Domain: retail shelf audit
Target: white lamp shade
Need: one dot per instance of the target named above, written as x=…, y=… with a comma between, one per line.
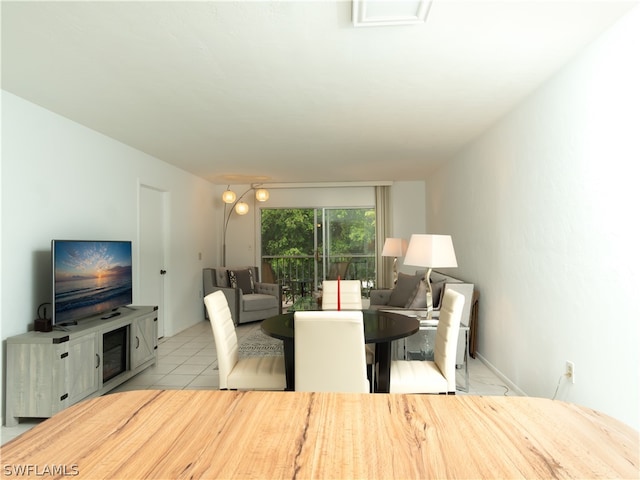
x=242, y=208
x=394, y=247
x=262, y=195
x=432, y=251
x=228, y=196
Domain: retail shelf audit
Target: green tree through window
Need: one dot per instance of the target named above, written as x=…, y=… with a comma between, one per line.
x=308, y=243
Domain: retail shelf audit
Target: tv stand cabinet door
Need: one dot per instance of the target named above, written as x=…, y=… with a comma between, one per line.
x=35, y=380
x=144, y=340
x=83, y=367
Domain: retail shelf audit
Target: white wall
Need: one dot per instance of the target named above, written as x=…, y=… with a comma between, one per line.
x=408, y=215
x=543, y=210
x=62, y=180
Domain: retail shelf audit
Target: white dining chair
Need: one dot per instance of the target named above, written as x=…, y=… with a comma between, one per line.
x=350, y=295
x=439, y=375
x=350, y=299
x=240, y=373
x=329, y=352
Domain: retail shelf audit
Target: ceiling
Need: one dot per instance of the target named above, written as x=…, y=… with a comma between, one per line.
x=290, y=91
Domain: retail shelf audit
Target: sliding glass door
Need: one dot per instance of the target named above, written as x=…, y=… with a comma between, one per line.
x=301, y=247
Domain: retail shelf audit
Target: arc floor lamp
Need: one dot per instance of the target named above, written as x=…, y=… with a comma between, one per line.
x=229, y=197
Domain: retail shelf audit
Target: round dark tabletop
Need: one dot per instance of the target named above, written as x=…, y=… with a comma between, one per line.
x=379, y=326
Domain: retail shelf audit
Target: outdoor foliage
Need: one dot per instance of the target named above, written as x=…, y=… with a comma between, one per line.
x=290, y=231
x=287, y=231
x=288, y=241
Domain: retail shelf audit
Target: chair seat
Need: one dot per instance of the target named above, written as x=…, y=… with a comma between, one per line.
x=252, y=302
x=416, y=377
x=258, y=373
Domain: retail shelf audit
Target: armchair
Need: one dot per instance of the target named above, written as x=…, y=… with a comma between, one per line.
x=248, y=299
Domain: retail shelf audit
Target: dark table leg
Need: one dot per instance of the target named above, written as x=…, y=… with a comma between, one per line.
x=383, y=359
x=289, y=363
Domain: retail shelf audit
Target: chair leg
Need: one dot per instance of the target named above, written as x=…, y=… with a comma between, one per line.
x=370, y=377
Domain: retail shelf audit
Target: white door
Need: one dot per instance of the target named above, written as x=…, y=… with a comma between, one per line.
x=152, y=251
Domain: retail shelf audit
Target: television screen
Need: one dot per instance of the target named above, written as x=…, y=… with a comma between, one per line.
x=90, y=278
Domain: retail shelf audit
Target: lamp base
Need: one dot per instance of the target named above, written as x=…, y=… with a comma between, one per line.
x=427, y=279
x=395, y=270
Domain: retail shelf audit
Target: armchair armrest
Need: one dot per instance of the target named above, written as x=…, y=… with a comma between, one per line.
x=273, y=289
x=380, y=296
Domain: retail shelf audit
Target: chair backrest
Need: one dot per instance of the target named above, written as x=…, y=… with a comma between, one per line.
x=350, y=295
x=465, y=289
x=444, y=352
x=330, y=352
x=224, y=334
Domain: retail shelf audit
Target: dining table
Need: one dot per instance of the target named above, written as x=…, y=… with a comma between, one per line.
x=214, y=434
x=381, y=327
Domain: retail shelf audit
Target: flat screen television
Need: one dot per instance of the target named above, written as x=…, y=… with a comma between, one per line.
x=90, y=278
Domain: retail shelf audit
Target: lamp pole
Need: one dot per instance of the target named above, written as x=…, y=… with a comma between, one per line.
x=262, y=195
x=226, y=217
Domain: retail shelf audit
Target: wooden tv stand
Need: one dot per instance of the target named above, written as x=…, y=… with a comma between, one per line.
x=50, y=371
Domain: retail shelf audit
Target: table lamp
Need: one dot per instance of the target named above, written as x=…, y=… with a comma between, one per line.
x=394, y=247
x=430, y=251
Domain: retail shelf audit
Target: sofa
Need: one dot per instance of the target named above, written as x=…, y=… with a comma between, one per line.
x=410, y=293
x=249, y=300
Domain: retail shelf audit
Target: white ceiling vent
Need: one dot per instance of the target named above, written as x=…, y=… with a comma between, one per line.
x=378, y=13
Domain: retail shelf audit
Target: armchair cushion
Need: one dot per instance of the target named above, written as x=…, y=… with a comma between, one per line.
x=242, y=279
x=253, y=302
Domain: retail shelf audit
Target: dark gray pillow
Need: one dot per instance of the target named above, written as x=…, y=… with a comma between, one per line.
x=419, y=296
x=404, y=290
x=242, y=279
x=436, y=289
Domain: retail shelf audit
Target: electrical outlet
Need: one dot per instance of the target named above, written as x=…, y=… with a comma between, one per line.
x=570, y=371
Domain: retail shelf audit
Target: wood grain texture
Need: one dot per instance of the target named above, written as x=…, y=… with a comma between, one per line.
x=223, y=434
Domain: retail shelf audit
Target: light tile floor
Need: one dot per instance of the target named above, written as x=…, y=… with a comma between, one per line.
x=187, y=361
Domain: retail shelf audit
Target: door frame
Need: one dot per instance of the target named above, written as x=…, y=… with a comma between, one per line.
x=163, y=304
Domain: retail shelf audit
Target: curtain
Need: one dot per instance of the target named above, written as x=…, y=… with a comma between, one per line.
x=384, y=265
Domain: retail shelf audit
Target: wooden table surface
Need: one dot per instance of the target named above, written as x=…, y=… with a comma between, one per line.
x=223, y=434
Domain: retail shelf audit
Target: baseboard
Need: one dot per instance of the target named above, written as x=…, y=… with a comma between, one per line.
x=512, y=386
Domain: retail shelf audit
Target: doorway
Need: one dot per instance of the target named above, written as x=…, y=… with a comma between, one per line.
x=152, y=251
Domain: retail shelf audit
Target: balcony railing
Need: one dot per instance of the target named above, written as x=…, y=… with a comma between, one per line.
x=302, y=275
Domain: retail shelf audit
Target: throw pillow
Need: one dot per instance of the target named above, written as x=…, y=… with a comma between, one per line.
x=404, y=289
x=419, y=296
x=242, y=279
x=436, y=289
